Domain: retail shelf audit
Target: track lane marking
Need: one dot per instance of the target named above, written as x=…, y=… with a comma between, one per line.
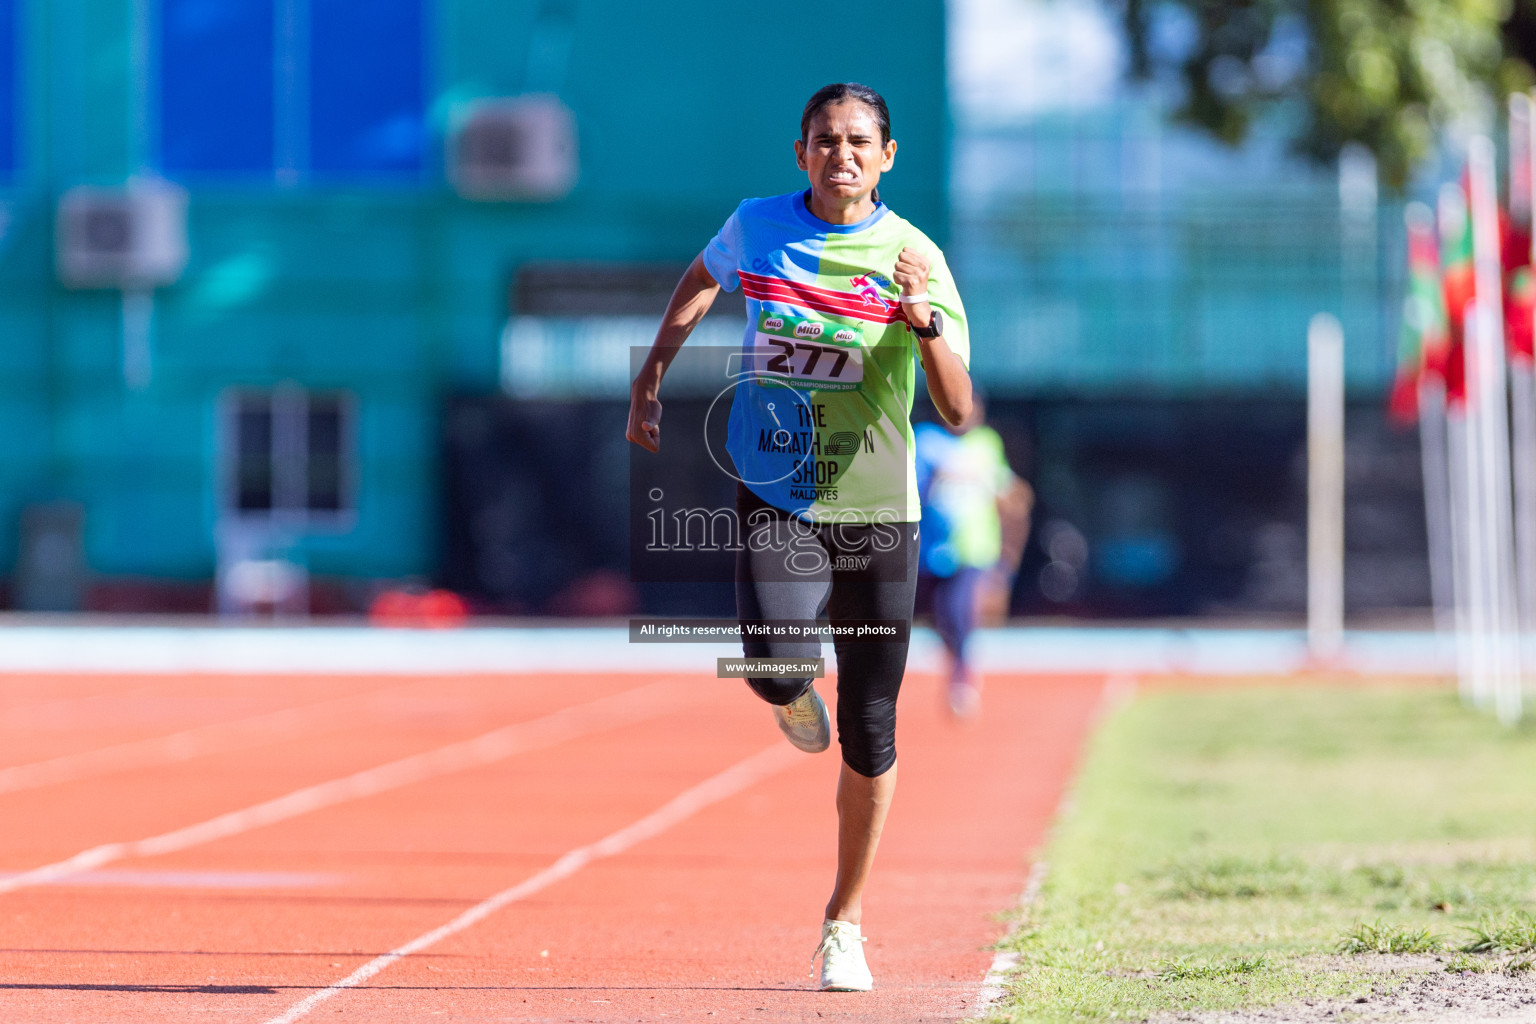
x=568, y=723
x=711, y=791
x=182, y=745
x=995, y=985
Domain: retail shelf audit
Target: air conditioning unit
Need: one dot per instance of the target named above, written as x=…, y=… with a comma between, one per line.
x=133, y=237
x=521, y=148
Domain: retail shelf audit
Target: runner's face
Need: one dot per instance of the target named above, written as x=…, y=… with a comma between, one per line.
x=843, y=154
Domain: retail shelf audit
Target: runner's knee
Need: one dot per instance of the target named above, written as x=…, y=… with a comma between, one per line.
x=867, y=736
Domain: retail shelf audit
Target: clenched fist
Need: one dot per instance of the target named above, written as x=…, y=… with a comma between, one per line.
x=911, y=274
x=644, y=427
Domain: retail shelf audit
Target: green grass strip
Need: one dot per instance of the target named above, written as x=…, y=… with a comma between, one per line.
x=1257, y=846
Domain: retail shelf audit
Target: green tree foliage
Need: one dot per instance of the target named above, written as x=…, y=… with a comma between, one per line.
x=1388, y=73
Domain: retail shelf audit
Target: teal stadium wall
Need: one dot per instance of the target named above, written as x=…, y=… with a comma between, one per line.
x=393, y=289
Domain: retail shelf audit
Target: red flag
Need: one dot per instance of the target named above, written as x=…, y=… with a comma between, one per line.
x=1424, y=338
x=1459, y=288
x=1519, y=288
x=1520, y=313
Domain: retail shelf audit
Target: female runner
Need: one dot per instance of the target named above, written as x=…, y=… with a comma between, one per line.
x=842, y=294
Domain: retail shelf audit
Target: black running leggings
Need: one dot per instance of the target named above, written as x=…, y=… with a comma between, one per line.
x=856, y=581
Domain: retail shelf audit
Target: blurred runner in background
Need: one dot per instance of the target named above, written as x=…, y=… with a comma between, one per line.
x=975, y=522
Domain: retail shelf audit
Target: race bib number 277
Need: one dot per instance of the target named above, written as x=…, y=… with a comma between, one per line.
x=808, y=353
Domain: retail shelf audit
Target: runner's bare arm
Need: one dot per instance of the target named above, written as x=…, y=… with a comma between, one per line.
x=691, y=299
x=949, y=385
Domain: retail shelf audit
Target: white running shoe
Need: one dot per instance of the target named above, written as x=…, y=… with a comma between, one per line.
x=842, y=958
x=964, y=698
x=804, y=721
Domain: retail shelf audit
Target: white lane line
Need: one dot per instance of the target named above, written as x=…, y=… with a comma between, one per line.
x=339, y=650
x=567, y=723
x=1118, y=691
x=681, y=807
x=125, y=647
x=995, y=985
x=186, y=744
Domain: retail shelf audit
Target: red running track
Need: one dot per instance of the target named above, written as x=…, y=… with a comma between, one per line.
x=711, y=919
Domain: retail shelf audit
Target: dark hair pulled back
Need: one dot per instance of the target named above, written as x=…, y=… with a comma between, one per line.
x=839, y=92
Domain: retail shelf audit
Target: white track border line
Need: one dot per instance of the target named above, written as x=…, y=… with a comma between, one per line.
x=995, y=985
x=568, y=723
x=1117, y=692
x=186, y=744
x=685, y=805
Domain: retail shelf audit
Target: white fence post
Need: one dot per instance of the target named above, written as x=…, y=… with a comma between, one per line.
x=1325, y=487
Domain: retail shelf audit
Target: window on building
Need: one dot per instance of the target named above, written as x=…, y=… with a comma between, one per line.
x=292, y=89
x=216, y=87
x=365, y=87
x=289, y=454
x=10, y=70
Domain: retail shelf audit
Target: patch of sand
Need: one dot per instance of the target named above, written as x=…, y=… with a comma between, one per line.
x=1411, y=990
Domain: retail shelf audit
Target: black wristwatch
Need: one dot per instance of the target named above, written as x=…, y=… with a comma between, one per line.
x=933, y=330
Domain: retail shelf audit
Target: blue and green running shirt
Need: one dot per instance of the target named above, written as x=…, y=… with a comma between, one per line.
x=821, y=419
x=960, y=480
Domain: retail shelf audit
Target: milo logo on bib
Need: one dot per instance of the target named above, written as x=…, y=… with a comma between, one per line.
x=803, y=352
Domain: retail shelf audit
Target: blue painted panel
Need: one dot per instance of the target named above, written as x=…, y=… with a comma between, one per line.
x=365, y=82
x=10, y=73
x=216, y=87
